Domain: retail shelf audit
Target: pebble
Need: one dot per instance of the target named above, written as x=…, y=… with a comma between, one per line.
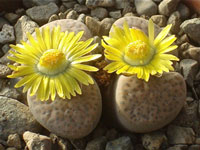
x=80, y=8
x=160, y=20
x=167, y=7
x=4, y=71
x=63, y=144
x=7, y=34
x=70, y=4
x=184, y=11
x=106, y=25
x=81, y=1
x=175, y=20
x=99, y=3
x=31, y=3
x=11, y=17
x=36, y=142
x=63, y=8
x=81, y=18
x=178, y=147
x=180, y=135
x=122, y=143
x=5, y=48
x=24, y=25
x=146, y=7
x=192, y=28
x=14, y=141
x=93, y=25
x=62, y=15
x=97, y=144
x=41, y=14
x=10, y=92
x=72, y=15
x=53, y=18
x=15, y=118
x=99, y=12
x=189, y=69
x=153, y=140
x=115, y=14
x=2, y=22
x=121, y=4
x=20, y=11
x=192, y=53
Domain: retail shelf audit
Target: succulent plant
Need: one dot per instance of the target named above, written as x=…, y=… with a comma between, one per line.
x=138, y=98
x=52, y=67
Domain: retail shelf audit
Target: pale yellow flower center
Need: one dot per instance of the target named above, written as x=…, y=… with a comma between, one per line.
x=138, y=53
x=52, y=62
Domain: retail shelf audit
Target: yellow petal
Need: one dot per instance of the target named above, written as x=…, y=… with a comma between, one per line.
x=151, y=31
x=85, y=67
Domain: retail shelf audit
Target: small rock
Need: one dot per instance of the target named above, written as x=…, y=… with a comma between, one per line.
x=175, y=20
x=69, y=5
x=63, y=8
x=53, y=18
x=97, y=144
x=36, y=142
x=41, y=14
x=14, y=141
x=192, y=53
x=11, y=17
x=122, y=143
x=4, y=71
x=178, y=147
x=5, y=48
x=10, y=92
x=129, y=14
x=146, y=7
x=115, y=14
x=99, y=3
x=63, y=144
x=154, y=140
x=160, y=20
x=81, y=1
x=72, y=15
x=166, y=7
x=99, y=49
x=128, y=9
x=62, y=15
x=81, y=18
x=184, y=11
x=194, y=147
x=99, y=12
x=2, y=22
x=190, y=69
x=121, y=4
x=80, y=8
x=106, y=25
x=180, y=135
x=93, y=25
x=24, y=25
x=197, y=141
x=192, y=28
x=20, y=11
x=31, y=3
x=4, y=59
x=15, y=117
x=7, y=34
x=2, y=147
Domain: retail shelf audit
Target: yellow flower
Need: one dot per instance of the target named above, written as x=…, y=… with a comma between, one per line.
x=132, y=52
x=51, y=63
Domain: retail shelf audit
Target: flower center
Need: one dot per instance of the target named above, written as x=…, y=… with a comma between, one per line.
x=52, y=62
x=138, y=53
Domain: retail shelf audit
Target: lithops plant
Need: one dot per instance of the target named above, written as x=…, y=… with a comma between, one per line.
x=61, y=95
x=143, y=103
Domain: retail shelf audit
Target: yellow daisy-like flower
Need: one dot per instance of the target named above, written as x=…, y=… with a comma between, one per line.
x=132, y=52
x=51, y=63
